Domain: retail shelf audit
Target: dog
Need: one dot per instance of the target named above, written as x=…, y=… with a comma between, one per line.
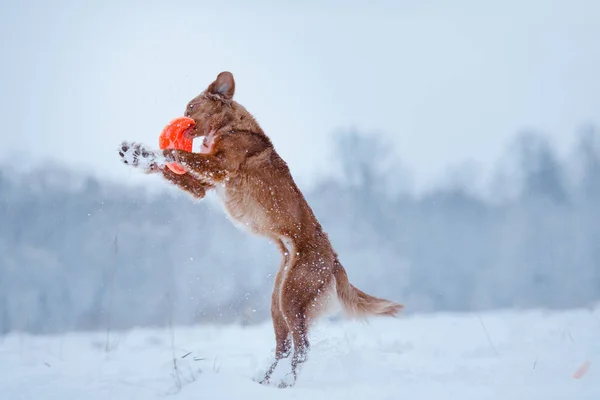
x=238, y=161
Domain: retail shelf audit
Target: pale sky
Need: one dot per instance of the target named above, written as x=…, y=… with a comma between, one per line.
x=445, y=84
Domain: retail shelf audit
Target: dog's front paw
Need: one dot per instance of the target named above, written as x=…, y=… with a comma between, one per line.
x=136, y=155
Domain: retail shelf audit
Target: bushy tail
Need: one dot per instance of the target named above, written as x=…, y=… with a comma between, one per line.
x=357, y=303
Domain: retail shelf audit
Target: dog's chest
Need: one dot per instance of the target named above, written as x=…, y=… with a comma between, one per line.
x=241, y=208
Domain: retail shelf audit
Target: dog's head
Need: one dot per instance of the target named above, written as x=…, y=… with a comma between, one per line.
x=214, y=108
x=216, y=113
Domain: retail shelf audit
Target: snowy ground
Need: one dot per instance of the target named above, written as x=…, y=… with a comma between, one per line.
x=527, y=355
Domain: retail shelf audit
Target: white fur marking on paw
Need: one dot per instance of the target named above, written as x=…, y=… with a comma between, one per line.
x=127, y=156
x=137, y=156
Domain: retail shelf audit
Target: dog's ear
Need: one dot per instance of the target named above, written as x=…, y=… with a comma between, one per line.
x=223, y=86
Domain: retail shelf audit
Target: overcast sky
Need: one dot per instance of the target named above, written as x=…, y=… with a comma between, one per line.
x=444, y=84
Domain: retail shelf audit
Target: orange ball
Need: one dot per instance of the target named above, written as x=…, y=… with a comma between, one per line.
x=174, y=136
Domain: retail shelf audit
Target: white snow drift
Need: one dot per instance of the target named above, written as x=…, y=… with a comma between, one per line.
x=500, y=355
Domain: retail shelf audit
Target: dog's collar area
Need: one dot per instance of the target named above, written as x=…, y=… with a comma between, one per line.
x=197, y=143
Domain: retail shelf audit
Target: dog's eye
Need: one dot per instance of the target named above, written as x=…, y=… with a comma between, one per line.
x=189, y=110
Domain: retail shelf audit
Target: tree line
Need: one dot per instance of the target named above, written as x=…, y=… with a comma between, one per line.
x=79, y=253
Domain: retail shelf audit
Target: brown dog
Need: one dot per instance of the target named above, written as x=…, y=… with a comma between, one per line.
x=239, y=162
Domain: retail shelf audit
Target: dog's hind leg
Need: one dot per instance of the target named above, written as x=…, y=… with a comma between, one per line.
x=284, y=344
x=302, y=293
x=282, y=331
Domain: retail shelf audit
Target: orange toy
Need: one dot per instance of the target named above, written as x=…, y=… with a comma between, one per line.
x=174, y=136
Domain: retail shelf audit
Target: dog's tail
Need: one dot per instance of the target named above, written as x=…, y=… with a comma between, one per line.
x=357, y=303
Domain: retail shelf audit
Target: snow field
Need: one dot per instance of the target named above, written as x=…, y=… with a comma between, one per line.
x=494, y=355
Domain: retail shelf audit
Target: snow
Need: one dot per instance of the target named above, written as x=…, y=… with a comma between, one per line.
x=494, y=355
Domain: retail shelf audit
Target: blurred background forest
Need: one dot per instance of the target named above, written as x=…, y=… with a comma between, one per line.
x=79, y=253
